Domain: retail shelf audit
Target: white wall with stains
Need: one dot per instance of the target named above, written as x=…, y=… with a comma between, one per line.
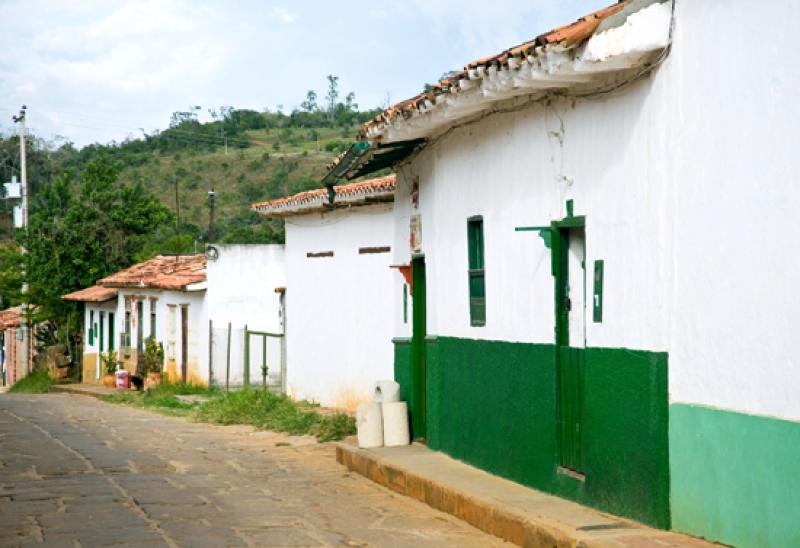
x=688, y=180
x=337, y=308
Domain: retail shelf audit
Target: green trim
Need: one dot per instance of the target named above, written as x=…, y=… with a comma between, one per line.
x=735, y=477
x=401, y=341
x=418, y=369
x=570, y=206
x=578, y=221
x=476, y=274
x=504, y=419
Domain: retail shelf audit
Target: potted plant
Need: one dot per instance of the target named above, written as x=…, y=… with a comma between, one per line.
x=109, y=360
x=153, y=361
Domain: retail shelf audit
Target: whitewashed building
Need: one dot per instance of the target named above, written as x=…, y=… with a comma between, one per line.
x=602, y=225
x=339, y=290
x=164, y=297
x=100, y=328
x=186, y=303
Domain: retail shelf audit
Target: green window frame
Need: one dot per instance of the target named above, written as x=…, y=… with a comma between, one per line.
x=111, y=331
x=91, y=328
x=153, y=318
x=476, y=272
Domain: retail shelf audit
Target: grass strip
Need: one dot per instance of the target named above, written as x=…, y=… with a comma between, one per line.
x=264, y=410
x=37, y=382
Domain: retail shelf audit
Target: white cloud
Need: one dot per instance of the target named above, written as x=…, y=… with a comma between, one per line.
x=284, y=15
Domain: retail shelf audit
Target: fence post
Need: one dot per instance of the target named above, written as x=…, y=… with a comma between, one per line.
x=264, y=361
x=246, y=357
x=210, y=352
x=228, y=364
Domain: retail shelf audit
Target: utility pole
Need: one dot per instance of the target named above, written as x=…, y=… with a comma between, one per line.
x=177, y=221
x=212, y=198
x=23, y=322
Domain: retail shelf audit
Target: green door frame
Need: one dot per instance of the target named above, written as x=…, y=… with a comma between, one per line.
x=418, y=354
x=569, y=360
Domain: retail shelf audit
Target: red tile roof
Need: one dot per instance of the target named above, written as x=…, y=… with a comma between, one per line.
x=161, y=272
x=94, y=294
x=10, y=317
x=361, y=193
x=566, y=36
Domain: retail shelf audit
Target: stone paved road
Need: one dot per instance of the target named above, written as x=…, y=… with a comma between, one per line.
x=75, y=471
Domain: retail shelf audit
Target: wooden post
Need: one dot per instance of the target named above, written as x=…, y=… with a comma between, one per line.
x=246, y=357
x=228, y=364
x=264, y=369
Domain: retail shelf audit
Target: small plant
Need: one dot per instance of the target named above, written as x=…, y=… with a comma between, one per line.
x=153, y=355
x=110, y=362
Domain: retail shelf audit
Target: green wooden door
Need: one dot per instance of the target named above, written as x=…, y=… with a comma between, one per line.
x=568, y=269
x=418, y=364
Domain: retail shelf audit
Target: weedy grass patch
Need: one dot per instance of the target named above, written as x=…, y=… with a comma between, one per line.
x=269, y=411
x=37, y=382
x=264, y=410
x=162, y=398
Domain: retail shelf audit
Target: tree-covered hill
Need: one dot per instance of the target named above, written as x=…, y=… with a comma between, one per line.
x=84, y=219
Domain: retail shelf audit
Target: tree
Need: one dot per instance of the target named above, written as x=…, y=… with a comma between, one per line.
x=333, y=95
x=83, y=230
x=310, y=104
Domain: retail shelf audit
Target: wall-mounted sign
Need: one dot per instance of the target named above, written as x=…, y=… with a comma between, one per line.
x=13, y=189
x=415, y=237
x=17, y=216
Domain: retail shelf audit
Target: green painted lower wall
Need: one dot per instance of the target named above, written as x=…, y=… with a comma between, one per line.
x=493, y=404
x=735, y=477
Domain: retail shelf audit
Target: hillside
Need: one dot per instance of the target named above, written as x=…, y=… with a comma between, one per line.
x=276, y=163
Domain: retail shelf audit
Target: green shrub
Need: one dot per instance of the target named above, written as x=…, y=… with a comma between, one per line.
x=37, y=382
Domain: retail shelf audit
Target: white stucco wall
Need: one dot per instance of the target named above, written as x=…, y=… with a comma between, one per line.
x=687, y=181
x=241, y=291
x=338, y=336
x=197, y=352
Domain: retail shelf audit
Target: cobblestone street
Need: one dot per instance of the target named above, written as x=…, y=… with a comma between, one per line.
x=75, y=471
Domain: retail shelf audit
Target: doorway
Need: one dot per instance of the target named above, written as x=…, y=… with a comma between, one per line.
x=569, y=267
x=184, y=341
x=418, y=354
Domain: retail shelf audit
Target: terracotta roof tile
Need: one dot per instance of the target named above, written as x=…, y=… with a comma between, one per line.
x=567, y=36
x=94, y=294
x=10, y=317
x=317, y=199
x=161, y=272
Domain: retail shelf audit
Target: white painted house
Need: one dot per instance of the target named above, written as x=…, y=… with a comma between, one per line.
x=604, y=281
x=339, y=290
x=186, y=303
x=164, y=297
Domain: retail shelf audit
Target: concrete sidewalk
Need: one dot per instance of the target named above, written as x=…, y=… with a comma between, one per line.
x=92, y=390
x=503, y=508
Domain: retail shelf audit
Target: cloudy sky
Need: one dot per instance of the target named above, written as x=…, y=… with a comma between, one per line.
x=99, y=70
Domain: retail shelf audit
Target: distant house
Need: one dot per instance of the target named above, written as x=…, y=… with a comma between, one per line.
x=163, y=297
x=99, y=319
x=10, y=345
x=339, y=289
x=186, y=303
x=601, y=225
